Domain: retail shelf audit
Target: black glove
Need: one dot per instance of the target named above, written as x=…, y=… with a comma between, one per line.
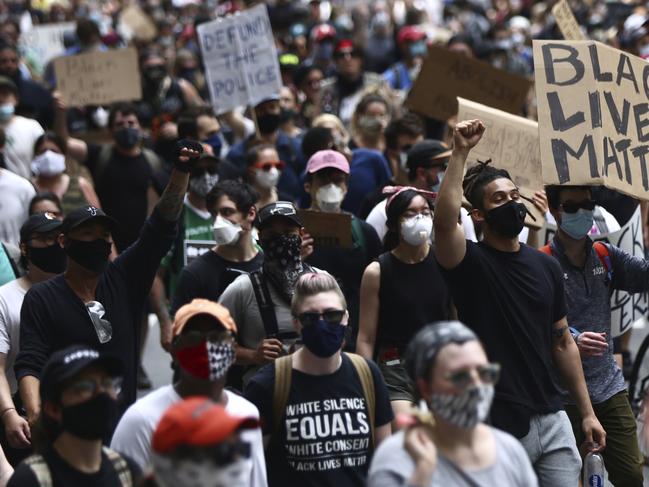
x=186, y=167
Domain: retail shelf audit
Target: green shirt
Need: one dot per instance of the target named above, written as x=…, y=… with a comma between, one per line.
x=197, y=238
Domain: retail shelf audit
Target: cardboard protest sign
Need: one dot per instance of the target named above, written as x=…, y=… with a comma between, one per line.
x=593, y=115
x=134, y=23
x=240, y=59
x=98, y=78
x=328, y=229
x=512, y=143
x=445, y=75
x=566, y=21
x=626, y=309
x=46, y=41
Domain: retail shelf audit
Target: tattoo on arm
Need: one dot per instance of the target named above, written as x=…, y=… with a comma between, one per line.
x=558, y=332
x=171, y=201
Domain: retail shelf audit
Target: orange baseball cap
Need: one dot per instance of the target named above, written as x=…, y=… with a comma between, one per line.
x=203, y=307
x=197, y=421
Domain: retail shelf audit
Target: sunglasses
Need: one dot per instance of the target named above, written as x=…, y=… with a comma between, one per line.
x=267, y=166
x=574, y=206
x=199, y=171
x=103, y=328
x=331, y=316
x=488, y=374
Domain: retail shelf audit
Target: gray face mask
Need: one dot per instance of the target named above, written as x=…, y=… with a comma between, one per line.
x=464, y=410
x=201, y=185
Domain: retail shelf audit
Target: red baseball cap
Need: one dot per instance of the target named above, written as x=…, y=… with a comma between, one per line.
x=410, y=33
x=197, y=421
x=322, y=32
x=327, y=158
x=345, y=45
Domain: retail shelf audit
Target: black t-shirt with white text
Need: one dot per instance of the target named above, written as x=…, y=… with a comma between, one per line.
x=64, y=475
x=511, y=300
x=325, y=435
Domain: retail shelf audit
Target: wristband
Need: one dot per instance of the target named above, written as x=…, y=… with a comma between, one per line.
x=4, y=411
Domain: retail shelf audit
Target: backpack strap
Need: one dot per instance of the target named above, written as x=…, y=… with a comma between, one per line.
x=601, y=249
x=282, y=389
x=367, y=382
x=121, y=467
x=264, y=303
x=40, y=469
x=358, y=237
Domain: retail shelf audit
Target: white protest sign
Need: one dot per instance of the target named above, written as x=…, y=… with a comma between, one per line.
x=46, y=41
x=593, y=115
x=626, y=308
x=240, y=59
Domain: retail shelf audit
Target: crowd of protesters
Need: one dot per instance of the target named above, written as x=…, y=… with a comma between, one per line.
x=444, y=344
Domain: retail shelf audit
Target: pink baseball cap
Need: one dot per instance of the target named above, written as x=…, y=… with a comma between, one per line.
x=327, y=158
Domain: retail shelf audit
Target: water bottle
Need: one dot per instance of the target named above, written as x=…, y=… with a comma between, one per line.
x=594, y=470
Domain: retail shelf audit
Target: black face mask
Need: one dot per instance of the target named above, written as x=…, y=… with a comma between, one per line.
x=50, y=259
x=127, y=137
x=508, y=219
x=92, y=255
x=91, y=420
x=268, y=123
x=155, y=74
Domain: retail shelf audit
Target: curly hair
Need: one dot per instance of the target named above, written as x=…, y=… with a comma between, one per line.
x=475, y=180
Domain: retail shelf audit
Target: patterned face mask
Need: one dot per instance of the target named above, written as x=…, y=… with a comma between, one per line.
x=207, y=360
x=464, y=410
x=282, y=262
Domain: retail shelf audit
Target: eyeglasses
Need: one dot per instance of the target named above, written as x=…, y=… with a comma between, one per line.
x=267, y=166
x=103, y=328
x=574, y=206
x=89, y=387
x=331, y=316
x=411, y=213
x=488, y=374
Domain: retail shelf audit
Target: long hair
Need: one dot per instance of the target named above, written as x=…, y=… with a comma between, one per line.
x=394, y=211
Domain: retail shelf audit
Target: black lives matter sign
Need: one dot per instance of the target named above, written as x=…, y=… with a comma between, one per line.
x=593, y=110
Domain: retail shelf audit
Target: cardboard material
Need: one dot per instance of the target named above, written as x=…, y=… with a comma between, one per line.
x=567, y=22
x=626, y=309
x=593, y=116
x=240, y=59
x=98, y=78
x=512, y=143
x=445, y=75
x=328, y=229
x=134, y=23
x=46, y=41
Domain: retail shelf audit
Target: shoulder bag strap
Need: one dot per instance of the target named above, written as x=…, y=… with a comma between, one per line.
x=367, y=382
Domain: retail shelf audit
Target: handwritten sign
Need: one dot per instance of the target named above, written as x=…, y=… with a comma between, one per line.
x=593, y=115
x=46, y=41
x=445, y=75
x=566, y=21
x=98, y=78
x=626, y=308
x=328, y=229
x=240, y=59
x=134, y=23
x=512, y=143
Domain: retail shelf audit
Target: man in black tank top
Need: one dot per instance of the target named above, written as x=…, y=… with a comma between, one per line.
x=512, y=296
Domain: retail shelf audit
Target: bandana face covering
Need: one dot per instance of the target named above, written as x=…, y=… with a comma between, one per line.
x=464, y=410
x=282, y=262
x=207, y=361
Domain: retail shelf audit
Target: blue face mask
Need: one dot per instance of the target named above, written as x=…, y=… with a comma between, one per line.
x=323, y=339
x=577, y=225
x=417, y=49
x=215, y=142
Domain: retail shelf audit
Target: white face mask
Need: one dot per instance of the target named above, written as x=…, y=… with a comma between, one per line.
x=48, y=164
x=329, y=198
x=417, y=230
x=225, y=232
x=203, y=473
x=267, y=179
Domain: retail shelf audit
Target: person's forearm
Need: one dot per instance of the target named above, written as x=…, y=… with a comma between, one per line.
x=6, y=401
x=60, y=125
x=245, y=356
x=449, y=198
x=364, y=348
x=171, y=201
x=28, y=387
x=158, y=300
x=568, y=363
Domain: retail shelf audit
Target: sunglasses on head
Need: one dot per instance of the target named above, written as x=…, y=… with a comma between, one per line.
x=331, y=316
x=267, y=166
x=488, y=374
x=574, y=206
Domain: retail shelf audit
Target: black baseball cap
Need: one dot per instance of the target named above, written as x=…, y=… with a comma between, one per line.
x=39, y=223
x=428, y=153
x=284, y=209
x=85, y=214
x=68, y=362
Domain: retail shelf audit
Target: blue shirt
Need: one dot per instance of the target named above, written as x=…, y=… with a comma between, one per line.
x=369, y=170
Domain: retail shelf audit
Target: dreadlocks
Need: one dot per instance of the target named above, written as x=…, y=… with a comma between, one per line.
x=476, y=178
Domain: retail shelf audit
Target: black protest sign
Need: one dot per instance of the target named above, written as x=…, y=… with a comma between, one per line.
x=593, y=115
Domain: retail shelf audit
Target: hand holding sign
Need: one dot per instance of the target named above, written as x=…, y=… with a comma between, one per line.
x=467, y=134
